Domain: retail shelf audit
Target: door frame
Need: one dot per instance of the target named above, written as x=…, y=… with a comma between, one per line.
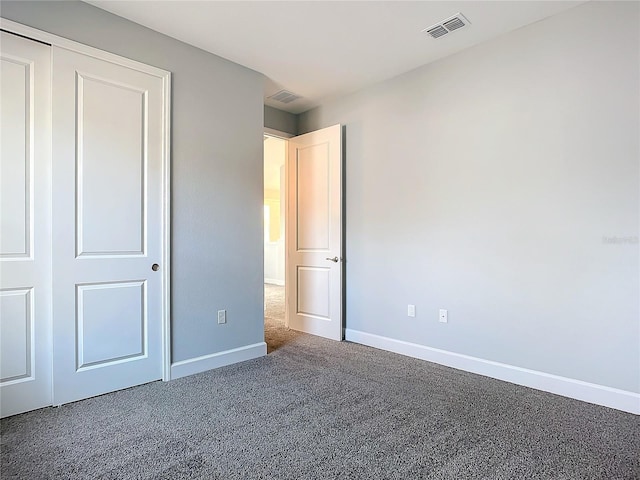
x=10, y=26
x=270, y=132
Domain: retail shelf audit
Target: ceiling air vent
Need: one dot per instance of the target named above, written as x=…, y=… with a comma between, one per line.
x=284, y=96
x=437, y=31
x=449, y=25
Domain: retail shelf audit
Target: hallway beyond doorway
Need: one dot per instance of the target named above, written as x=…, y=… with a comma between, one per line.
x=276, y=333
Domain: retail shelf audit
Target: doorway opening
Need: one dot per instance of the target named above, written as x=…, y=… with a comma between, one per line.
x=303, y=260
x=275, y=323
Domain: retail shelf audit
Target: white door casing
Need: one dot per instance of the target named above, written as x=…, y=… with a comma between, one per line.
x=25, y=225
x=107, y=229
x=314, y=233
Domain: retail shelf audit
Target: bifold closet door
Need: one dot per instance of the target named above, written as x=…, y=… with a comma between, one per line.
x=25, y=225
x=107, y=228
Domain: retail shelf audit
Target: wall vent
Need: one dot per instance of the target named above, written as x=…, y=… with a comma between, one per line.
x=284, y=96
x=446, y=26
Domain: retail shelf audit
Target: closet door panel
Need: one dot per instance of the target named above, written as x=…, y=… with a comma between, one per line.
x=25, y=225
x=107, y=193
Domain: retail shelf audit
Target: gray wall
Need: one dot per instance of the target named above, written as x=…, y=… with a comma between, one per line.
x=216, y=173
x=492, y=183
x=280, y=120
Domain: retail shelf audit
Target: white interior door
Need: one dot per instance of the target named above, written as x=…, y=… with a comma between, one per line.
x=25, y=225
x=107, y=229
x=314, y=239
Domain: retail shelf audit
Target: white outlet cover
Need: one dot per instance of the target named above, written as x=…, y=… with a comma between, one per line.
x=411, y=310
x=222, y=316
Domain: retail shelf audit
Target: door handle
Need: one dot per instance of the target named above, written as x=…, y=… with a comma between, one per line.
x=155, y=267
x=334, y=259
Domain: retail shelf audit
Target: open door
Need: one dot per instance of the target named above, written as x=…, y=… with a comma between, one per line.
x=314, y=233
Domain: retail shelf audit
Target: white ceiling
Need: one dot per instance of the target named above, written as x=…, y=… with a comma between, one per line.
x=322, y=49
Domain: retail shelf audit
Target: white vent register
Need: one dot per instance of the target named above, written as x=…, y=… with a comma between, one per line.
x=447, y=26
x=284, y=96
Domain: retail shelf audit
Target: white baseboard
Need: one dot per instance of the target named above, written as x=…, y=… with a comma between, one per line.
x=274, y=281
x=568, y=387
x=216, y=360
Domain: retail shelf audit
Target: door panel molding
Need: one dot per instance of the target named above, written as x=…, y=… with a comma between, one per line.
x=94, y=203
x=89, y=337
x=17, y=184
x=18, y=354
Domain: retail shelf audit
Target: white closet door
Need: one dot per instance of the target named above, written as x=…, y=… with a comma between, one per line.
x=25, y=225
x=107, y=193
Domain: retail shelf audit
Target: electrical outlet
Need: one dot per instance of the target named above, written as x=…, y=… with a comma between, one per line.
x=222, y=316
x=411, y=310
x=443, y=316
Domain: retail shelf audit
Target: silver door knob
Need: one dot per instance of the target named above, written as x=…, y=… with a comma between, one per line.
x=155, y=267
x=334, y=259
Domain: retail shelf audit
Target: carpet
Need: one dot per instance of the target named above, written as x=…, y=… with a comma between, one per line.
x=317, y=409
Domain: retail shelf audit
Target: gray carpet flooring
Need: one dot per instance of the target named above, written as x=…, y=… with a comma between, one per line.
x=317, y=409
